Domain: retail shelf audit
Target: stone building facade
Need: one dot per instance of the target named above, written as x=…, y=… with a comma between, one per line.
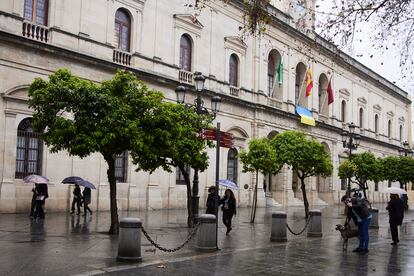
x=163, y=43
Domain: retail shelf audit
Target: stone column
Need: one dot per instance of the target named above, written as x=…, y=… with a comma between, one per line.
x=129, y=241
x=315, y=224
x=206, y=233
x=374, y=221
x=278, y=232
x=7, y=185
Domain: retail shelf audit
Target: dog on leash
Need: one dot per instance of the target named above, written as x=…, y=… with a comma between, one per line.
x=346, y=233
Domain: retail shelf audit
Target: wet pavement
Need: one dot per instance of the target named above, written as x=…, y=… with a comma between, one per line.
x=63, y=244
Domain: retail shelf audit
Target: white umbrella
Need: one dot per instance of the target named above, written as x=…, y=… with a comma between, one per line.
x=395, y=190
x=229, y=184
x=34, y=178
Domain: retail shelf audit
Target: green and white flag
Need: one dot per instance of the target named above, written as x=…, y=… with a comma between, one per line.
x=280, y=71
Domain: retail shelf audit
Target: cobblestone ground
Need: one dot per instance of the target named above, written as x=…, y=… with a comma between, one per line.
x=69, y=245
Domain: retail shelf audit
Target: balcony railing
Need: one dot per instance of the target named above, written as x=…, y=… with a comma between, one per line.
x=121, y=57
x=36, y=32
x=185, y=77
x=234, y=91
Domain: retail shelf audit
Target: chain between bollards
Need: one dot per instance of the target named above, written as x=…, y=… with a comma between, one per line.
x=303, y=230
x=170, y=250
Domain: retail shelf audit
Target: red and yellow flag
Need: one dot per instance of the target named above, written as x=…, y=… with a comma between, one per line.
x=309, y=82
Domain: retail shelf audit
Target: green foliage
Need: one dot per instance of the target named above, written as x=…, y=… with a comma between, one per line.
x=347, y=169
x=260, y=157
x=307, y=157
x=368, y=167
x=82, y=117
x=171, y=139
x=399, y=169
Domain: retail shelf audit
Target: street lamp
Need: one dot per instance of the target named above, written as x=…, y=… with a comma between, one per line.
x=199, y=108
x=350, y=140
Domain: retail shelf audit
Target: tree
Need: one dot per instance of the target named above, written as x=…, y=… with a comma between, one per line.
x=391, y=20
x=82, y=117
x=399, y=169
x=363, y=167
x=307, y=157
x=171, y=139
x=262, y=158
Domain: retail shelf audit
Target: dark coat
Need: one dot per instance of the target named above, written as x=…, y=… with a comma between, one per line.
x=77, y=192
x=87, y=196
x=211, y=203
x=361, y=209
x=231, y=205
x=42, y=190
x=396, y=211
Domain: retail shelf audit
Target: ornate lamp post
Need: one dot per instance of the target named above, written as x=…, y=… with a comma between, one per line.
x=350, y=140
x=199, y=108
x=405, y=151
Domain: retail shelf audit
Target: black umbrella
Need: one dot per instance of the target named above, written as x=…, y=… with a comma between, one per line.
x=72, y=180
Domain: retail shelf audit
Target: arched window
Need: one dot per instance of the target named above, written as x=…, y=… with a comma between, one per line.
x=36, y=11
x=234, y=70
x=343, y=111
x=389, y=128
x=232, y=164
x=361, y=118
x=185, y=53
x=270, y=75
x=376, y=123
x=122, y=30
x=29, y=150
x=401, y=132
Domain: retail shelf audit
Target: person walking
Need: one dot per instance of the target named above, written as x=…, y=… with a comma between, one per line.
x=211, y=201
x=395, y=209
x=77, y=199
x=86, y=200
x=33, y=203
x=358, y=210
x=229, y=208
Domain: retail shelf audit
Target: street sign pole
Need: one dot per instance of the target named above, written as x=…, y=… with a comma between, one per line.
x=217, y=178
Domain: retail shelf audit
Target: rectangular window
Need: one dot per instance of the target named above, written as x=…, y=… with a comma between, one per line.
x=179, y=177
x=376, y=186
x=270, y=85
x=389, y=183
x=121, y=167
x=36, y=11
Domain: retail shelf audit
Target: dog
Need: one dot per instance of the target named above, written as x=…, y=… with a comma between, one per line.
x=346, y=233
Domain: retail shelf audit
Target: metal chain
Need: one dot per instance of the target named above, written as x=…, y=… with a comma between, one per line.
x=190, y=236
x=303, y=230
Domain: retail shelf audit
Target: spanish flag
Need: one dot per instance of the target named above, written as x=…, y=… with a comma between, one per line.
x=309, y=82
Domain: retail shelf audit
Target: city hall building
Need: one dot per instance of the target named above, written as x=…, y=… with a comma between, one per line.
x=260, y=80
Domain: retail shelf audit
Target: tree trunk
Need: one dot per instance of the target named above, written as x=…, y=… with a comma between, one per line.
x=110, y=160
x=364, y=185
x=254, y=205
x=305, y=198
x=190, y=215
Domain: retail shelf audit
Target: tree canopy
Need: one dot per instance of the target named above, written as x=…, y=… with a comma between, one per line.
x=362, y=167
x=307, y=157
x=260, y=157
x=83, y=117
x=399, y=169
x=171, y=138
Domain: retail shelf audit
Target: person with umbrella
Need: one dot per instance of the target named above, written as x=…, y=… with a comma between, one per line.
x=87, y=200
x=395, y=209
x=77, y=199
x=229, y=208
x=40, y=193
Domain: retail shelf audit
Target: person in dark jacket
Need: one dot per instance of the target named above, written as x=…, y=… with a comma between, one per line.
x=86, y=200
x=229, y=208
x=77, y=199
x=33, y=203
x=396, y=213
x=358, y=210
x=211, y=203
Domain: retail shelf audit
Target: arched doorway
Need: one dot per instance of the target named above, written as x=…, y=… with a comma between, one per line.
x=274, y=81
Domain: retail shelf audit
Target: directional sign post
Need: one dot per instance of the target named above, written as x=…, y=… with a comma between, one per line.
x=226, y=138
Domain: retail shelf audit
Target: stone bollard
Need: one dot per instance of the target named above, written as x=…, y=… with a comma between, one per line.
x=374, y=221
x=315, y=224
x=206, y=234
x=129, y=240
x=278, y=232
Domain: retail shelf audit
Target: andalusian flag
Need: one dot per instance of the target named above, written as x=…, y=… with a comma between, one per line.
x=309, y=82
x=280, y=71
